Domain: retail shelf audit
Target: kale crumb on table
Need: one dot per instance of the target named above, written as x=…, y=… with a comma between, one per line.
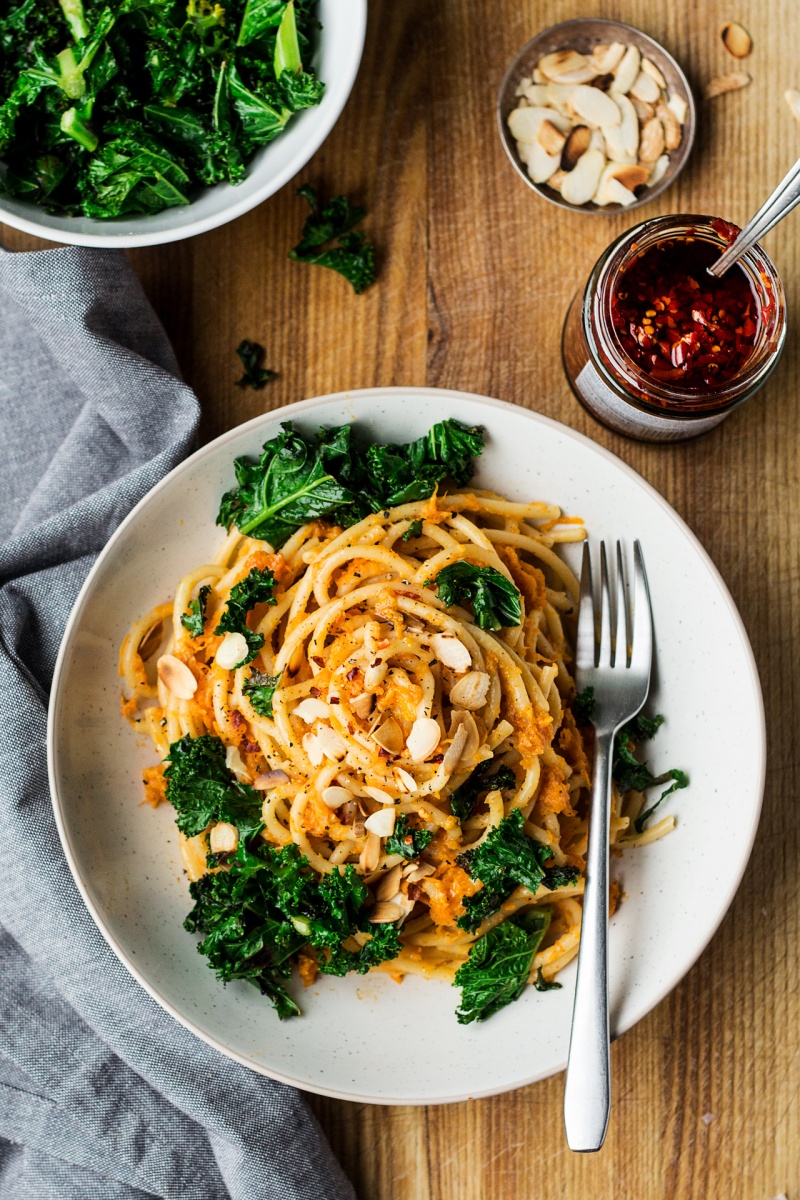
x=111, y=109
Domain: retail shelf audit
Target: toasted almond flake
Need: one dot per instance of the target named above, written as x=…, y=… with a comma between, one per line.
x=451, y=652
x=627, y=70
x=455, y=750
x=651, y=142
x=460, y=718
x=176, y=677
x=726, y=83
x=614, y=146
x=270, y=779
x=659, y=171
x=421, y=871
x=389, y=884
x=310, y=744
x=371, y=854
x=643, y=110
x=618, y=194
x=389, y=735
x=362, y=705
x=151, y=641
x=524, y=83
x=679, y=107
x=630, y=176
x=556, y=180
x=231, y=651
x=650, y=68
x=423, y=738
x=594, y=106
x=551, y=139
x=384, y=913
x=576, y=145
x=559, y=97
x=406, y=779
x=470, y=690
x=376, y=793
x=541, y=165
x=537, y=76
x=381, y=822
x=672, y=127
x=311, y=709
x=536, y=94
x=524, y=123
x=581, y=183
x=223, y=839
x=629, y=125
x=335, y=796
x=234, y=762
x=567, y=66
x=606, y=58
x=736, y=39
x=644, y=87
x=331, y=743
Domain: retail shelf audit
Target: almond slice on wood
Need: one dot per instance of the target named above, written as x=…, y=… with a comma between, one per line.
x=581, y=183
x=651, y=142
x=576, y=145
x=792, y=98
x=735, y=39
x=550, y=139
x=672, y=127
x=595, y=106
x=627, y=70
x=605, y=58
x=176, y=677
x=567, y=66
x=726, y=83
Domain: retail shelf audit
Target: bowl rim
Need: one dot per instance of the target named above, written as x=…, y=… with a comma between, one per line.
x=303, y=408
x=684, y=150
x=125, y=241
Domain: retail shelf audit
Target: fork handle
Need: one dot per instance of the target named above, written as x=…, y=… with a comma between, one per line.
x=587, y=1095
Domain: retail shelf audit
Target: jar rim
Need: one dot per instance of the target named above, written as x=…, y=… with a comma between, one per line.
x=622, y=373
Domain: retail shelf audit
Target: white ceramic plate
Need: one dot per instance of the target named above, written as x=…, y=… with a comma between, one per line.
x=125, y=857
x=336, y=61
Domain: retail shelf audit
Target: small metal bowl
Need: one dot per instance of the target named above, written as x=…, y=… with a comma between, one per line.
x=583, y=35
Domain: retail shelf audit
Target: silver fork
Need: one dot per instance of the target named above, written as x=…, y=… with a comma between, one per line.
x=617, y=668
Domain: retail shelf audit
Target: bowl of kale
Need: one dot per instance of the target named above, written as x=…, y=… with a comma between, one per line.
x=138, y=122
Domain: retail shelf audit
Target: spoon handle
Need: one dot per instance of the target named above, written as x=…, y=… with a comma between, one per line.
x=785, y=197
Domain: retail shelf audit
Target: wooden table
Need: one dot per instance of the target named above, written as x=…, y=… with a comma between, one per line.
x=475, y=277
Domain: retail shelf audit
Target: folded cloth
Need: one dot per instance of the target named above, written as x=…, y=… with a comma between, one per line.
x=102, y=1094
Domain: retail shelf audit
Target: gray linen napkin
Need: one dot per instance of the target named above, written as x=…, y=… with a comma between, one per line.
x=102, y=1094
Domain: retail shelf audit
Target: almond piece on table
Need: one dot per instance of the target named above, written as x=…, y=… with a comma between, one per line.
x=651, y=142
x=659, y=170
x=581, y=182
x=726, y=83
x=567, y=66
x=679, y=107
x=672, y=127
x=595, y=106
x=605, y=58
x=176, y=677
x=736, y=39
x=650, y=68
x=627, y=71
x=576, y=145
x=644, y=87
x=551, y=139
x=792, y=98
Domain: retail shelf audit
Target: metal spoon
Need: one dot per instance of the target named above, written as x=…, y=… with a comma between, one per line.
x=785, y=197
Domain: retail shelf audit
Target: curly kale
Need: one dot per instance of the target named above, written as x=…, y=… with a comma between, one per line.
x=499, y=964
x=257, y=588
x=495, y=600
x=326, y=240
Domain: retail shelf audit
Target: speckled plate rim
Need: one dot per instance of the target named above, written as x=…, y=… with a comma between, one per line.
x=469, y=401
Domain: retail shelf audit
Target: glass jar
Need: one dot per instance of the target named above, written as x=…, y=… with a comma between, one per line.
x=621, y=393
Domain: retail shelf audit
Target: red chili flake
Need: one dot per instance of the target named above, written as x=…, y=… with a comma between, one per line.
x=383, y=753
x=708, y=336
x=315, y=658
x=333, y=699
x=352, y=674
x=314, y=692
x=236, y=718
x=377, y=662
x=251, y=747
x=414, y=891
x=437, y=758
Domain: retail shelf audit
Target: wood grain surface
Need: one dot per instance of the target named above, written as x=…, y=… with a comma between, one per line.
x=475, y=276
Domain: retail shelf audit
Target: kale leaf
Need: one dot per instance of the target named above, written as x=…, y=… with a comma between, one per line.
x=192, y=621
x=201, y=789
x=407, y=842
x=632, y=775
x=495, y=600
x=414, y=530
x=543, y=985
x=559, y=877
x=384, y=944
x=256, y=375
x=257, y=588
x=299, y=479
x=583, y=705
x=499, y=964
x=464, y=798
x=352, y=255
x=506, y=859
x=259, y=689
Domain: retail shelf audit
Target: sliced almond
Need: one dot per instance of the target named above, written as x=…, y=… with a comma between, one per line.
x=559, y=97
x=542, y=165
x=151, y=641
x=679, y=107
x=651, y=142
x=381, y=822
x=594, y=106
x=371, y=854
x=471, y=690
x=567, y=66
x=451, y=652
x=231, y=651
x=524, y=83
x=556, y=179
x=331, y=743
x=629, y=125
x=269, y=779
x=176, y=677
x=606, y=58
x=627, y=70
x=223, y=838
x=650, y=68
x=406, y=779
x=423, y=739
x=524, y=123
x=614, y=146
x=375, y=674
x=610, y=190
x=618, y=194
x=455, y=750
x=551, y=139
x=389, y=736
x=672, y=127
x=311, y=709
x=537, y=76
x=643, y=111
x=576, y=145
x=421, y=871
x=792, y=98
x=726, y=83
x=362, y=705
x=536, y=93
x=313, y=749
x=378, y=794
x=384, y=913
x=659, y=170
x=581, y=183
x=235, y=763
x=632, y=176
x=644, y=87
x=389, y=883
x=461, y=719
x=736, y=39
x=334, y=796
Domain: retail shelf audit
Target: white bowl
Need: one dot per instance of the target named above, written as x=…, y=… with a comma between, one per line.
x=124, y=855
x=335, y=61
